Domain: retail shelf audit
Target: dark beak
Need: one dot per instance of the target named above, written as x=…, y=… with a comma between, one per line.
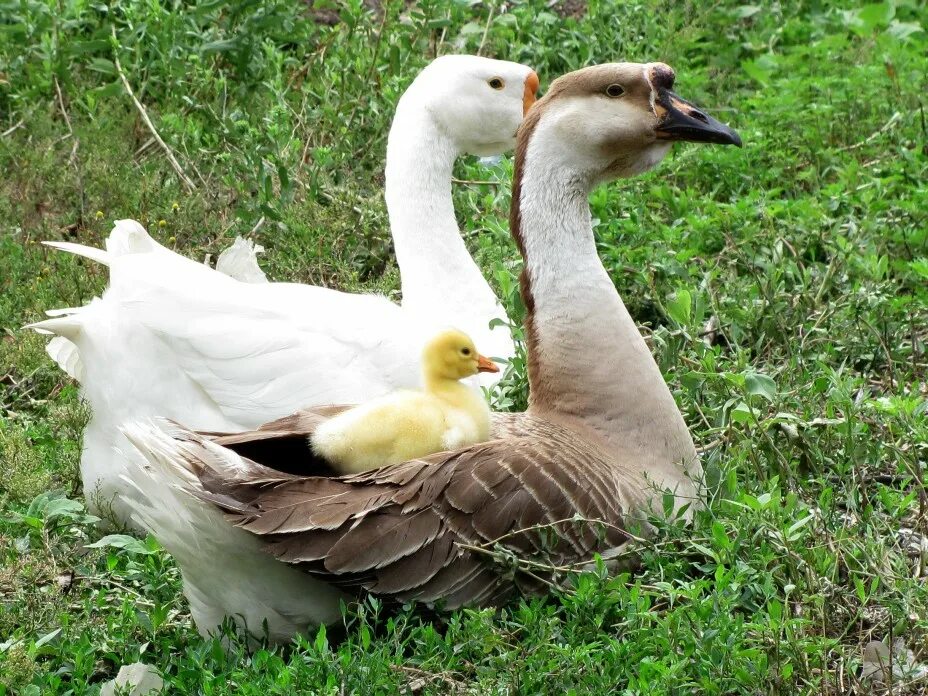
x=681, y=120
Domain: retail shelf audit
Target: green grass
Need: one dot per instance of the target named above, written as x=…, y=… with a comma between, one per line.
x=784, y=288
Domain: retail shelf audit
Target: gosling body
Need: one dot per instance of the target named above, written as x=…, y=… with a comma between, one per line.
x=444, y=415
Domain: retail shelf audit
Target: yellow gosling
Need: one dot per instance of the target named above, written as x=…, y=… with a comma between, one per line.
x=407, y=424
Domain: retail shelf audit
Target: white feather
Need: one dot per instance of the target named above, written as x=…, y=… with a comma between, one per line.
x=66, y=356
x=240, y=261
x=222, y=566
x=92, y=253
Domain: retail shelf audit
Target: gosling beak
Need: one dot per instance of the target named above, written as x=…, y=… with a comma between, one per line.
x=530, y=95
x=681, y=120
x=485, y=364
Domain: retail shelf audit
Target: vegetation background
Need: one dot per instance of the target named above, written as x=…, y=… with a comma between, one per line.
x=782, y=288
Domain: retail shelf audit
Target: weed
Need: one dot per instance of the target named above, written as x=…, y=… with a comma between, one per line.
x=781, y=287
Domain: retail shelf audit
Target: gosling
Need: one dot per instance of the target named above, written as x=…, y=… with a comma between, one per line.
x=408, y=424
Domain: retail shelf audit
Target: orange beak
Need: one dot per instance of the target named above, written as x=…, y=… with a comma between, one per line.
x=531, y=90
x=485, y=364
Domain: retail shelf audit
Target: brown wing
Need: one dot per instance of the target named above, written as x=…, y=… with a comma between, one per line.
x=283, y=443
x=436, y=529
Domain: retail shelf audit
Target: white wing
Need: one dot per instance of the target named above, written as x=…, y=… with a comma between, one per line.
x=261, y=351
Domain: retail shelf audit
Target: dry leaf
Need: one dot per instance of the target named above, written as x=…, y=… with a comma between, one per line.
x=65, y=580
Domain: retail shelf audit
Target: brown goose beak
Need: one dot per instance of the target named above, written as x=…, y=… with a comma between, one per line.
x=681, y=120
x=485, y=364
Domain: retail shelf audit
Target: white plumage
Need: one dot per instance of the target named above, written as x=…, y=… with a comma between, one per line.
x=225, y=570
x=171, y=337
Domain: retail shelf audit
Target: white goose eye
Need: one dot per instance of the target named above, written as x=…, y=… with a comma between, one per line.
x=615, y=90
x=496, y=82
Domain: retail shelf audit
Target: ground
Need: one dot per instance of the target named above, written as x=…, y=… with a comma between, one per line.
x=783, y=288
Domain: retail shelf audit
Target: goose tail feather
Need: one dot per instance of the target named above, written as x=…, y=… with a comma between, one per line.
x=67, y=356
x=126, y=237
x=88, y=252
x=226, y=570
x=64, y=325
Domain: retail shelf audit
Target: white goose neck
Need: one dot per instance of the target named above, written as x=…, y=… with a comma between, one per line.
x=588, y=362
x=441, y=284
x=432, y=257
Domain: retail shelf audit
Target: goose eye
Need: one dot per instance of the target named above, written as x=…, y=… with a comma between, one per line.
x=615, y=90
x=496, y=83
x=465, y=351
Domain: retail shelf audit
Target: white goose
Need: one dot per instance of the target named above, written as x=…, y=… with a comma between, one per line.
x=602, y=439
x=170, y=337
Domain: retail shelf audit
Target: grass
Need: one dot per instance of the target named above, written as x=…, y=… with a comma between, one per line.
x=784, y=289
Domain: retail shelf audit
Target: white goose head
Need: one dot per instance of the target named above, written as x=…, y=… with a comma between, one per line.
x=477, y=102
x=617, y=120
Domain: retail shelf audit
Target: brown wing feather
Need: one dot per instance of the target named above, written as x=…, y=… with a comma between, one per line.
x=416, y=569
x=380, y=539
x=398, y=531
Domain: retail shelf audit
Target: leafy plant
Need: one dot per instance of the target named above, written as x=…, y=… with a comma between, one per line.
x=781, y=288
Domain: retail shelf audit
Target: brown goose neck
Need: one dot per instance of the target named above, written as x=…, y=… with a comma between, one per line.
x=587, y=361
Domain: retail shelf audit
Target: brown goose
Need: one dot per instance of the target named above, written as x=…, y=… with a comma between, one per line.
x=602, y=439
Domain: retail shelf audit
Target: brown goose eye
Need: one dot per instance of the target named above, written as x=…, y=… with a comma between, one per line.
x=496, y=83
x=465, y=351
x=615, y=90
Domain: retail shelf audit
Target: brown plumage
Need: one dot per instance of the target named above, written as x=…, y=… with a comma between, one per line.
x=536, y=490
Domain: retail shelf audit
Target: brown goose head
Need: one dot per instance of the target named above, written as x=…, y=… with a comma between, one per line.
x=618, y=120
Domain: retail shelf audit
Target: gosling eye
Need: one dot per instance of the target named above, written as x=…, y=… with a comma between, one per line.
x=496, y=83
x=615, y=90
x=465, y=351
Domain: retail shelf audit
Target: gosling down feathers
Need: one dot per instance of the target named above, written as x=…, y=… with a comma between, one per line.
x=407, y=424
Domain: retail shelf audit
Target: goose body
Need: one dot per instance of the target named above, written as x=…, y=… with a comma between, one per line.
x=404, y=425
x=600, y=446
x=173, y=338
